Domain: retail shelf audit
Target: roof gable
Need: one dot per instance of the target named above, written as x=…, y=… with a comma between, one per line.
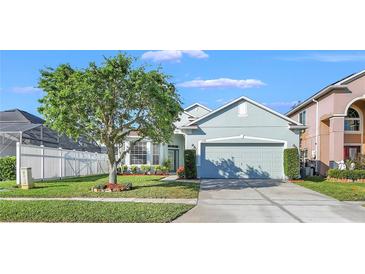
x=242, y=98
x=197, y=105
x=197, y=110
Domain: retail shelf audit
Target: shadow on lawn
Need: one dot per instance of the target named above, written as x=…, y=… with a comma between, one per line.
x=316, y=179
x=81, y=179
x=185, y=185
x=84, y=179
x=48, y=186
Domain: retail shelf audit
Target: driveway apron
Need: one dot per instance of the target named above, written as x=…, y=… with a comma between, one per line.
x=267, y=201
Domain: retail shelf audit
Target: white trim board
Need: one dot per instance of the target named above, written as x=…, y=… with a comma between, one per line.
x=249, y=138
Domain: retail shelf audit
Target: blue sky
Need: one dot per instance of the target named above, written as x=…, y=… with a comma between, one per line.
x=275, y=78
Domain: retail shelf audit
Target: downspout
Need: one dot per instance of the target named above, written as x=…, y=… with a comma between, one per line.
x=317, y=134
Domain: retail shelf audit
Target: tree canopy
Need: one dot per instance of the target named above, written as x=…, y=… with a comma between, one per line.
x=107, y=102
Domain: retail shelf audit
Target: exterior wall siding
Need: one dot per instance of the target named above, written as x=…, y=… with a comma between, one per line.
x=257, y=123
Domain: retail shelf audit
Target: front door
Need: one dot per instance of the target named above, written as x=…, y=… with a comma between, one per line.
x=174, y=159
x=350, y=152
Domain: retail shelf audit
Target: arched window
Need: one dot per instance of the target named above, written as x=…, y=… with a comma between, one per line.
x=352, y=120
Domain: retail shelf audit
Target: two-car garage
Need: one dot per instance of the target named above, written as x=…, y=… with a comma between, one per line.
x=242, y=160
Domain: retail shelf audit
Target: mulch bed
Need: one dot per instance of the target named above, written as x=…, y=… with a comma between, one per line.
x=295, y=181
x=112, y=187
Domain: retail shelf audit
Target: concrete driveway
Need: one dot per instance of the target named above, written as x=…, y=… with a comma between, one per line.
x=267, y=201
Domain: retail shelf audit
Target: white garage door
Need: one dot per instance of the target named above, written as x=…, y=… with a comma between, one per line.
x=254, y=161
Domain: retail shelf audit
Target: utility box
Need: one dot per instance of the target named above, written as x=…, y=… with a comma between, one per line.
x=26, y=178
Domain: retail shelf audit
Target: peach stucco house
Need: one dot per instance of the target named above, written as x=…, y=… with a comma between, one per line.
x=334, y=117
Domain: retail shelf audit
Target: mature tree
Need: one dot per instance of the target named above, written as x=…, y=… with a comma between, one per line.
x=106, y=103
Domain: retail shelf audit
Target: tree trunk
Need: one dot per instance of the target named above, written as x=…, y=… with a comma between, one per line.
x=113, y=173
x=112, y=165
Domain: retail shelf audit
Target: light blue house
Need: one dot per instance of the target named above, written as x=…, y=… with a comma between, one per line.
x=242, y=139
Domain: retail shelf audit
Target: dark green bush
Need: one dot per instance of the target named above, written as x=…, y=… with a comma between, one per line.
x=145, y=168
x=190, y=163
x=335, y=173
x=167, y=164
x=7, y=168
x=157, y=168
x=346, y=174
x=291, y=163
x=164, y=169
x=134, y=169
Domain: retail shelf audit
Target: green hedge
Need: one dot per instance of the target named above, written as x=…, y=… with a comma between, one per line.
x=346, y=174
x=291, y=163
x=190, y=163
x=7, y=168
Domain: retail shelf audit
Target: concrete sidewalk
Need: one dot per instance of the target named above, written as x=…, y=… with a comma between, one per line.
x=267, y=201
x=118, y=200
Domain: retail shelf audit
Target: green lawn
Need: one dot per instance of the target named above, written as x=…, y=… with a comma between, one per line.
x=143, y=187
x=89, y=212
x=339, y=191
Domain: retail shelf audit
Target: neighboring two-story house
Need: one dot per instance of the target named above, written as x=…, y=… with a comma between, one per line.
x=334, y=117
x=242, y=139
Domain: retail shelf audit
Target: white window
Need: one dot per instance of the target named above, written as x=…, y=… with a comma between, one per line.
x=155, y=154
x=302, y=117
x=242, y=110
x=138, y=154
x=352, y=120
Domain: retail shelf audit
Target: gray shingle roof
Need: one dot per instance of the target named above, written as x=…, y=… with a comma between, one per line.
x=19, y=116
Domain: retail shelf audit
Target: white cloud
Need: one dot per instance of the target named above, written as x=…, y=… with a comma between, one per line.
x=25, y=90
x=328, y=57
x=199, y=54
x=172, y=55
x=223, y=83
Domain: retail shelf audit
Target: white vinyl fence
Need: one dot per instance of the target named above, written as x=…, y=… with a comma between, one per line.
x=57, y=163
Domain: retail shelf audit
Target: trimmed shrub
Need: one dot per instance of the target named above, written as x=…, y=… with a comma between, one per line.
x=357, y=174
x=134, y=169
x=164, y=169
x=156, y=168
x=180, y=172
x=291, y=163
x=190, y=163
x=145, y=168
x=7, y=168
x=166, y=164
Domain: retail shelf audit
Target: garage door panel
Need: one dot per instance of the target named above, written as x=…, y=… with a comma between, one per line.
x=242, y=161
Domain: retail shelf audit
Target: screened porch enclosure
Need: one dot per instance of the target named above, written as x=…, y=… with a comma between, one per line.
x=38, y=135
x=20, y=126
